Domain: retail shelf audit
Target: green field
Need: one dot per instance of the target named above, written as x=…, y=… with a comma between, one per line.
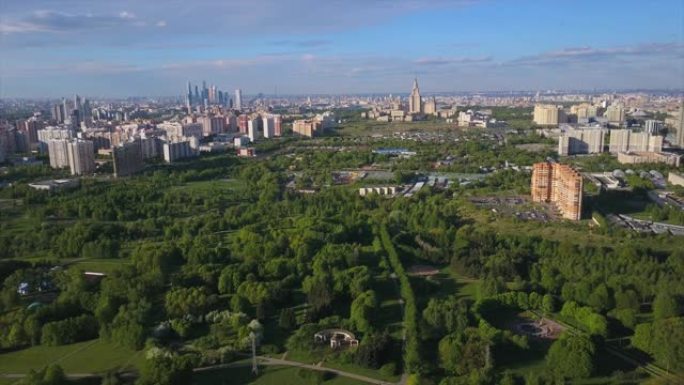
x=210, y=186
x=100, y=265
x=371, y=127
x=267, y=376
x=581, y=232
x=84, y=357
x=327, y=359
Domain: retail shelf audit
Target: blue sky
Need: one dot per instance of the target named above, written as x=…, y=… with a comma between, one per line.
x=148, y=47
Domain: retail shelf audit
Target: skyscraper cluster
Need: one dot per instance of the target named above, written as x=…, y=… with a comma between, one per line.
x=196, y=97
x=75, y=114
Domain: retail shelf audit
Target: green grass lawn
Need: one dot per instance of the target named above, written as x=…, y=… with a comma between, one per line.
x=467, y=287
x=370, y=126
x=209, y=186
x=83, y=357
x=101, y=265
x=328, y=359
x=390, y=313
x=272, y=375
x=356, y=369
x=579, y=233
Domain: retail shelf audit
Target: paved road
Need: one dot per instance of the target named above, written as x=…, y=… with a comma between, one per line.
x=268, y=361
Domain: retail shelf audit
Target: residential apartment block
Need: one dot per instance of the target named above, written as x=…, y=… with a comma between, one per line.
x=559, y=184
x=581, y=141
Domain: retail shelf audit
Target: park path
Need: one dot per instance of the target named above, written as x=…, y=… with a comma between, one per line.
x=263, y=360
x=73, y=376
x=268, y=361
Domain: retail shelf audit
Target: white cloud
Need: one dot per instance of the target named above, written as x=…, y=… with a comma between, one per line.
x=588, y=54
x=47, y=21
x=434, y=61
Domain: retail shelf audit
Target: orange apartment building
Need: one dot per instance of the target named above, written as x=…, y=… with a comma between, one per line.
x=306, y=127
x=559, y=184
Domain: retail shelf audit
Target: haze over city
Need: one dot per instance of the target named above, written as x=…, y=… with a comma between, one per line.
x=130, y=48
x=341, y=192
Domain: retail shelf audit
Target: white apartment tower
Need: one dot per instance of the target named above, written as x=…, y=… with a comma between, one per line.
x=269, y=126
x=253, y=129
x=81, y=154
x=238, y=99
x=581, y=141
x=58, y=153
x=627, y=141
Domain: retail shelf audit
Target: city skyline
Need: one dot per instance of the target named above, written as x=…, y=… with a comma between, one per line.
x=130, y=49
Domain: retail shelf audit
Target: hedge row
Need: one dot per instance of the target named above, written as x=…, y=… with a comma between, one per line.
x=412, y=361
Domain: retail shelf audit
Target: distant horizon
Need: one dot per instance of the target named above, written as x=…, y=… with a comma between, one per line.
x=550, y=92
x=305, y=47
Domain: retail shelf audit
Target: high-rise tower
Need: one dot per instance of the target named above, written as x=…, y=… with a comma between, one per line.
x=67, y=112
x=559, y=184
x=415, y=102
x=188, y=96
x=238, y=99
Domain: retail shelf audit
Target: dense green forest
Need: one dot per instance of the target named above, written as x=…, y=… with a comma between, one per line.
x=199, y=256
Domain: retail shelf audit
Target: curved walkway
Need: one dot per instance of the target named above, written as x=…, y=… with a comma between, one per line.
x=268, y=361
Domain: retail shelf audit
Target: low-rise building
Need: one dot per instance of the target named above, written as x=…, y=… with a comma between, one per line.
x=214, y=147
x=240, y=141
x=246, y=152
x=379, y=190
x=676, y=179
x=649, y=157
x=55, y=184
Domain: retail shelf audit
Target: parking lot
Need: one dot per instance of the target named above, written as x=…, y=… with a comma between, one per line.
x=518, y=206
